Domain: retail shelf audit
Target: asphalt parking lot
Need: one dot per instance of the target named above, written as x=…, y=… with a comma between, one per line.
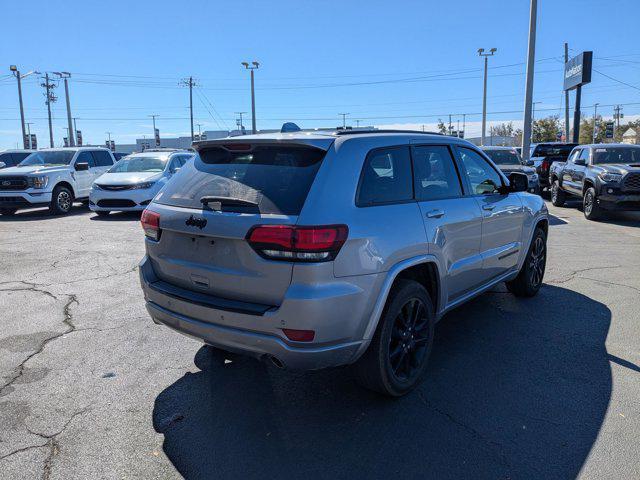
x=539, y=388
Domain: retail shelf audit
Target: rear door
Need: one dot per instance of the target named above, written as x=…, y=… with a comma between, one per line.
x=452, y=221
x=103, y=161
x=203, y=247
x=502, y=214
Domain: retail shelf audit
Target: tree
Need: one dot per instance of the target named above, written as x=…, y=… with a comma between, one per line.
x=586, y=130
x=502, y=130
x=546, y=129
x=442, y=128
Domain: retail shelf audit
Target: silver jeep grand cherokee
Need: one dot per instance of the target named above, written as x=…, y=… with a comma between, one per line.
x=314, y=250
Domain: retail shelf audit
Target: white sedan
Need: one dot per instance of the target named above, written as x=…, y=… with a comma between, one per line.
x=133, y=182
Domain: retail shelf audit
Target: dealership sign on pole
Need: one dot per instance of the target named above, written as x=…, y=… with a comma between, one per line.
x=157, y=135
x=79, y=137
x=577, y=72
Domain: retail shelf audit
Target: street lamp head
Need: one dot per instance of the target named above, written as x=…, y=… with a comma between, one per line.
x=493, y=50
x=13, y=68
x=255, y=64
x=246, y=65
x=480, y=50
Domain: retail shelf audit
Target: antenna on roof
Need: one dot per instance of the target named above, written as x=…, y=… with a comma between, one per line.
x=288, y=127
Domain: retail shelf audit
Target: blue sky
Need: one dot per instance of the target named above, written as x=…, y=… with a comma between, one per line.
x=385, y=63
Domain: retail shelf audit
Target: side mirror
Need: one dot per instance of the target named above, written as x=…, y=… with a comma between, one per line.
x=518, y=182
x=82, y=166
x=580, y=161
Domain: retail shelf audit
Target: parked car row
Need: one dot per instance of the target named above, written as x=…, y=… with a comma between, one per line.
x=58, y=177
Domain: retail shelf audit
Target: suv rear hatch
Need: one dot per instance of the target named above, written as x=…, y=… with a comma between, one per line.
x=211, y=205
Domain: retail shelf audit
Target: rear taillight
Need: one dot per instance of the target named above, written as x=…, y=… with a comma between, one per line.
x=544, y=166
x=298, y=244
x=151, y=224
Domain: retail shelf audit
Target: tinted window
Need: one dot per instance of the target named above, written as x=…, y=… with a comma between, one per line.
x=482, y=176
x=86, y=157
x=552, y=150
x=584, y=155
x=616, y=155
x=13, y=159
x=503, y=157
x=435, y=173
x=386, y=177
x=276, y=178
x=102, y=158
x=575, y=154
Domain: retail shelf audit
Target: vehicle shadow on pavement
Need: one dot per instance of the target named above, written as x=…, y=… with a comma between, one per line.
x=117, y=217
x=516, y=388
x=42, y=214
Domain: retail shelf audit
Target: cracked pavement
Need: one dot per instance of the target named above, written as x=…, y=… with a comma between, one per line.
x=91, y=388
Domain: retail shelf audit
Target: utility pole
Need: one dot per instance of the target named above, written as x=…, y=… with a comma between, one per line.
x=199, y=132
x=357, y=123
x=109, y=133
x=528, y=94
x=484, y=95
x=239, y=122
x=464, y=122
x=50, y=96
x=344, y=119
x=156, y=137
x=566, y=98
x=449, y=124
x=617, y=115
x=28, y=142
x=65, y=76
x=595, y=119
x=189, y=83
x=458, y=129
x=254, y=66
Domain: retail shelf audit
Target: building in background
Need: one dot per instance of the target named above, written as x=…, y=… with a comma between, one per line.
x=631, y=137
x=494, y=140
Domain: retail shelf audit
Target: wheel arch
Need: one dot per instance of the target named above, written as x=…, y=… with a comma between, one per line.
x=64, y=183
x=588, y=183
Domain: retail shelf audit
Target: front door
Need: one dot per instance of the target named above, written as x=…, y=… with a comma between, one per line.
x=84, y=178
x=452, y=221
x=502, y=213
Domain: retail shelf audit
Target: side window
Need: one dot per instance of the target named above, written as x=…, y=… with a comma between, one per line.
x=175, y=164
x=386, y=177
x=483, y=178
x=575, y=154
x=435, y=173
x=584, y=155
x=86, y=157
x=102, y=158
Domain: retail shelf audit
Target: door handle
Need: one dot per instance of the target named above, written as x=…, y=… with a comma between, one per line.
x=435, y=213
x=488, y=207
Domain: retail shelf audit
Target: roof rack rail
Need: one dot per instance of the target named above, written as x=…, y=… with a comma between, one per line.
x=355, y=132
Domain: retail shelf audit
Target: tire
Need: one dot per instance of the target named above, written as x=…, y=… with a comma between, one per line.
x=8, y=211
x=558, y=197
x=590, y=207
x=103, y=213
x=387, y=367
x=61, y=201
x=529, y=279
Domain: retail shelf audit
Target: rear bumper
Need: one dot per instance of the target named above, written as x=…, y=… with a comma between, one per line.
x=21, y=199
x=338, y=316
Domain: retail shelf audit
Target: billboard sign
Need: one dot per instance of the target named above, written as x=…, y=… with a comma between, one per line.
x=577, y=71
x=609, y=130
x=157, y=135
x=34, y=141
x=66, y=141
x=79, y=137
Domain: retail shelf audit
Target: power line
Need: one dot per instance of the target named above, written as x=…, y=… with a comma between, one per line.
x=616, y=80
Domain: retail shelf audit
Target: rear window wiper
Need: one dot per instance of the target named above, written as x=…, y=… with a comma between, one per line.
x=230, y=201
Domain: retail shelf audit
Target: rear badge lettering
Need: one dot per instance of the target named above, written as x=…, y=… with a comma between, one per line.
x=196, y=222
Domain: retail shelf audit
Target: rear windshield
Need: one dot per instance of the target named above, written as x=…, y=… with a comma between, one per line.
x=139, y=164
x=503, y=157
x=275, y=179
x=553, y=150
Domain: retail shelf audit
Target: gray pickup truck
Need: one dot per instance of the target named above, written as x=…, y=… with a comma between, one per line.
x=605, y=176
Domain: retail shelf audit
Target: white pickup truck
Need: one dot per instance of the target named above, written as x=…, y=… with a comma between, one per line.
x=53, y=177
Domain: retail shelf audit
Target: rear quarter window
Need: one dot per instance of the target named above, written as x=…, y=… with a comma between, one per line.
x=386, y=177
x=276, y=178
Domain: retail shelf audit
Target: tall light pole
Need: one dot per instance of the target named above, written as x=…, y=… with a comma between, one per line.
x=595, y=119
x=344, y=119
x=65, y=76
x=190, y=83
x=566, y=98
x=528, y=93
x=254, y=66
x=16, y=73
x=199, y=132
x=484, y=95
